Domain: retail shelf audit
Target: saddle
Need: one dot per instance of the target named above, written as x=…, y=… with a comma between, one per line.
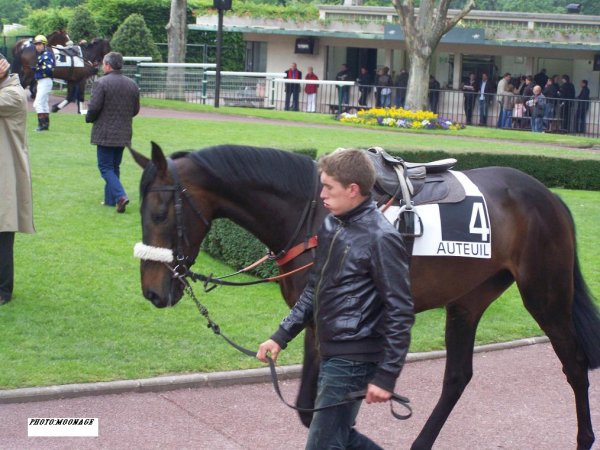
x=68, y=56
x=407, y=184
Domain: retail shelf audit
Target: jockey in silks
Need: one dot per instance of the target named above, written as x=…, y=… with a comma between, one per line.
x=43, y=74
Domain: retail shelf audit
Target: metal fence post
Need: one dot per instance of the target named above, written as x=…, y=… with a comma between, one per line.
x=204, y=86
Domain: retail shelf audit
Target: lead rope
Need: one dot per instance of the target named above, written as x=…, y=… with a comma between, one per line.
x=350, y=398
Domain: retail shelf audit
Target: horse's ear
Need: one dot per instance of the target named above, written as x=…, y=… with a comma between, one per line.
x=139, y=158
x=158, y=158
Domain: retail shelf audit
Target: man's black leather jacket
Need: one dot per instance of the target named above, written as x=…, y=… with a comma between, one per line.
x=358, y=294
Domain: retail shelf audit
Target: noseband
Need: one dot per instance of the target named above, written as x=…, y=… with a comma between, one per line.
x=181, y=262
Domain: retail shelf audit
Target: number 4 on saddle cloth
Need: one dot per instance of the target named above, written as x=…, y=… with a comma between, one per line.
x=447, y=214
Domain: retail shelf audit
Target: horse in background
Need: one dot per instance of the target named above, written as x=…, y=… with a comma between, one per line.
x=24, y=53
x=77, y=68
x=76, y=77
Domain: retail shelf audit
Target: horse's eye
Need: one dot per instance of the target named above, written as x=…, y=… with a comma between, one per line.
x=160, y=217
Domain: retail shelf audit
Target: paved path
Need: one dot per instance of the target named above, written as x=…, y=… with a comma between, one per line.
x=518, y=399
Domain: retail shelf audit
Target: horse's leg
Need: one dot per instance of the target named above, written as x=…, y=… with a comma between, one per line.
x=70, y=93
x=310, y=373
x=462, y=318
x=81, y=95
x=549, y=304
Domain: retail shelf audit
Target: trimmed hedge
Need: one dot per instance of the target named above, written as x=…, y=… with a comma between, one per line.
x=237, y=248
x=553, y=172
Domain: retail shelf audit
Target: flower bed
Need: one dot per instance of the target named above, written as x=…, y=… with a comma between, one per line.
x=401, y=118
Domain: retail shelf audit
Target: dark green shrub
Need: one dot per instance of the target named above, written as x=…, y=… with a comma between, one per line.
x=553, y=172
x=133, y=38
x=82, y=25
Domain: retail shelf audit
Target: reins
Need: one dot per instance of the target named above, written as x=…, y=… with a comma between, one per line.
x=350, y=397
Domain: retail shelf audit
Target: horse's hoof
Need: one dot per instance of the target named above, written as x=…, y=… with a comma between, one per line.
x=55, y=109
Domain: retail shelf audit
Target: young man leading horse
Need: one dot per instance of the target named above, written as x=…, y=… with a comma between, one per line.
x=359, y=298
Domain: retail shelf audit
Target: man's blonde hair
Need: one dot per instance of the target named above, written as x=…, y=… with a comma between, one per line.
x=349, y=166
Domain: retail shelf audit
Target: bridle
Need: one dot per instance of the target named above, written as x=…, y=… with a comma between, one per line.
x=180, y=269
x=180, y=264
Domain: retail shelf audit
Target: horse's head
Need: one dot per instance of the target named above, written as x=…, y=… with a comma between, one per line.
x=58, y=37
x=94, y=51
x=171, y=230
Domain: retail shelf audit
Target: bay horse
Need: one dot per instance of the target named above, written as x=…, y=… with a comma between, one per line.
x=76, y=77
x=23, y=53
x=265, y=191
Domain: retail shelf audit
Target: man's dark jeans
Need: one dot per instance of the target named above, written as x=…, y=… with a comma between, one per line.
x=334, y=428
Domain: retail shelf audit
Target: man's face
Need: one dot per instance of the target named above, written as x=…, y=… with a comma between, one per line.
x=484, y=77
x=39, y=47
x=337, y=198
x=293, y=67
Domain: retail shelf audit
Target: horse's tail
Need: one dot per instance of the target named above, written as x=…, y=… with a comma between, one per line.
x=586, y=316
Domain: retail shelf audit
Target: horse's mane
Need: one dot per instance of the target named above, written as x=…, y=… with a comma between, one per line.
x=290, y=173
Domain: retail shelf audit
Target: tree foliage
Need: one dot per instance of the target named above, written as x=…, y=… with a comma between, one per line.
x=82, y=25
x=110, y=14
x=12, y=11
x=133, y=38
x=45, y=21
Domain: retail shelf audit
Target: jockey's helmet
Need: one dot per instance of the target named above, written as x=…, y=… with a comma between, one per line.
x=40, y=39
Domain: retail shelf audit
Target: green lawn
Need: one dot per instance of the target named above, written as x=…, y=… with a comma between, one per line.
x=78, y=314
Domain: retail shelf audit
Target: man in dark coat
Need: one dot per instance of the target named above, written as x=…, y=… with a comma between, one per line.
x=582, y=106
x=292, y=90
x=115, y=101
x=566, y=93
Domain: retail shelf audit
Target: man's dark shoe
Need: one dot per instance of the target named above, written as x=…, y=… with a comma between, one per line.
x=4, y=300
x=121, y=204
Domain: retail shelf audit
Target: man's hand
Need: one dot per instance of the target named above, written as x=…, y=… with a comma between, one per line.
x=377, y=395
x=266, y=347
x=4, y=66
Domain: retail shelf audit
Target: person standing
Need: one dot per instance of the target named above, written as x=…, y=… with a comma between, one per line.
x=311, y=91
x=538, y=108
x=470, y=89
x=582, y=106
x=500, y=92
x=508, y=102
x=402, y=84
x=434, y=94
x=566, y=92
x=485, y=89
x=292, y=90
x=44, y=68
x=344, y=75
x=358, y=297
x=364, y=86
x=550, y=92
x=16, y=207
x=384, y=90
x=115, y=101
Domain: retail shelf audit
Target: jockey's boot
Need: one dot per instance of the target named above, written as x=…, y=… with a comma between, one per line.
x=43, y=122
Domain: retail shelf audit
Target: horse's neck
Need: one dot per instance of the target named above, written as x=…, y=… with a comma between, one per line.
x=272, y=218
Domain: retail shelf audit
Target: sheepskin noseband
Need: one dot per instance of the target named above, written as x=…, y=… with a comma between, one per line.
x=149, y=253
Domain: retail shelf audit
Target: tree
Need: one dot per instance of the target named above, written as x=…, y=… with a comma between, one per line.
x=82, y=25
x=422, y=34
x=12, y=11
x=176, y=38
x=133, y=38
x=45, y=21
